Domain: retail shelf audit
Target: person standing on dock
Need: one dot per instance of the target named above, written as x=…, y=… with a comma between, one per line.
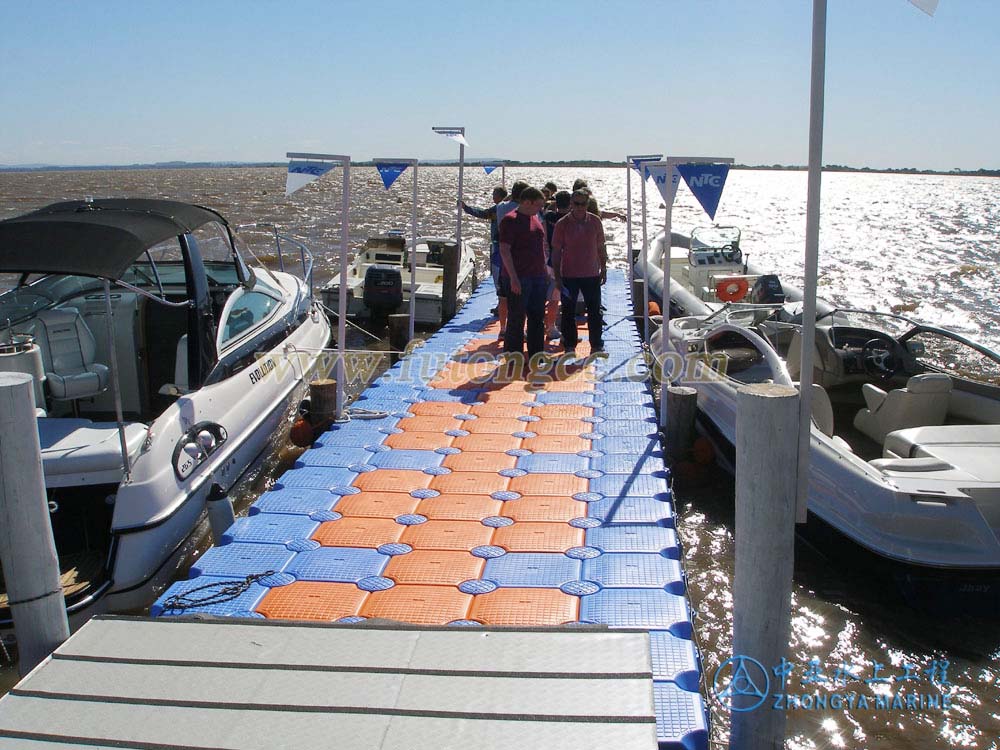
x=494, y=213
x=561, y=208
x=580, y=264
x=525, y=276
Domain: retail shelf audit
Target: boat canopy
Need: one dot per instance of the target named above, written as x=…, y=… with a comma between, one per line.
x=99, y=238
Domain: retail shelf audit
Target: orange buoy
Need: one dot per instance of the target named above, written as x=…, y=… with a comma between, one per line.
x=703, y=451
x=653, y=308
x=301, y=433
x=731, y=288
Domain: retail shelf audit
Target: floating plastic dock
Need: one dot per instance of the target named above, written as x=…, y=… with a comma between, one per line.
x=479, y=498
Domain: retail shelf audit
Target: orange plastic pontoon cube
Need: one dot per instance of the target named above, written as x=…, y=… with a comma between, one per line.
x=393, y=480
x=419, y=441
x=490, y=461
x=544, y=508
x=423, y=605
x=460, y=536
x=560, y=485
x=377, y=504
x=434, y=567
x=525, y=607
x=452, y=507
x=358, y=532
x=312, y=600
x=469, y=483
x=438, y=408
x=562, y=411
x=538, y=537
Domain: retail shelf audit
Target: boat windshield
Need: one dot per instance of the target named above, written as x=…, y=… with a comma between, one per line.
x=715, y=237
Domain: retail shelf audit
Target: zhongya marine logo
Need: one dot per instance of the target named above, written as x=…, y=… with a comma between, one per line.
x=741, y=683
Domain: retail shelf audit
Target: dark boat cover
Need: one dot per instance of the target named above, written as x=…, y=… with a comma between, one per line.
x=94, y=238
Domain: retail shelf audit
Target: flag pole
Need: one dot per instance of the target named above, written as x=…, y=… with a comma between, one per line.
x=345, y=214
x=413, y=253
x=413, y=231
x=637, y=161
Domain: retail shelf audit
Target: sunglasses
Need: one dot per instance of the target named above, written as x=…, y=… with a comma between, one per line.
x=578, y=203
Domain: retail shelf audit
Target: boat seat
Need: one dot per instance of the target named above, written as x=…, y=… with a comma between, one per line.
x=906, y=443
x=793, y=360
x=79, y=451
x=822, y=415
x=923, y=402
x=180, y=385
x=68, y=351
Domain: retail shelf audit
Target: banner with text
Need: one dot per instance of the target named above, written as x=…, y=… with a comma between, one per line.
x=301, y=173
x=390, y=173
x=706, y=181
x=666, y=185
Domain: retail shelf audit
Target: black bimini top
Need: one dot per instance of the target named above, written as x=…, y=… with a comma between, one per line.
x=94, y=238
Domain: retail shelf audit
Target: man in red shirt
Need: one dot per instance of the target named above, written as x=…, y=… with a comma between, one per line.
x=580, y=264
x=525, y=274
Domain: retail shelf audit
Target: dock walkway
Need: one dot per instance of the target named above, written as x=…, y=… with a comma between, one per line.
x=478, y=498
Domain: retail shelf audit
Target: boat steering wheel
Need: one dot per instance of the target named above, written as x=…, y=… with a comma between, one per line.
x=882, y=358
x=731, y=254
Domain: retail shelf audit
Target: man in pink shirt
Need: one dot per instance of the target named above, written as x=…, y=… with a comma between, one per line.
x=580, y=264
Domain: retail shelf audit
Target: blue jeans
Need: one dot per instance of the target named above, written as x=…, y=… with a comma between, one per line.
x=591, y=288
x=530, y=305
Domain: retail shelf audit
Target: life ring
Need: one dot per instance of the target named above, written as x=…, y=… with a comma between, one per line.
x=731, y=288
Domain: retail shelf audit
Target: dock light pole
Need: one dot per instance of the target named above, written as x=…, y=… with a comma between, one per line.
x=413, y=233
x=636, y=162
x=315, y=166
x=457, y=134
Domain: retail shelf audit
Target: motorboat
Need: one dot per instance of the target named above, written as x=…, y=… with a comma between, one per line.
x=378, y=278
x=163, y=366
x=708, y=269
x=905, y=430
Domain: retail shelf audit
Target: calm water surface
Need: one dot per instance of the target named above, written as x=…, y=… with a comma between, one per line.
x=924, y=245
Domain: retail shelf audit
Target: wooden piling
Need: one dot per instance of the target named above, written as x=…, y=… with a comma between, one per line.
x=766, y=456
x=399, y=334
x=682, y=405
x=323, y=406
x=27, y=548
x=451, y=255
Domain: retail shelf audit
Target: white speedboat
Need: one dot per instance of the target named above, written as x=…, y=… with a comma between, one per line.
x=164, y=364
x=378, y=279
x=905, y=452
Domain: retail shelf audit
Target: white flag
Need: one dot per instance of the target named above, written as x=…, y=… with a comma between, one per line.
x=666, y=185
x=927, y=6
x=301, y=173
x=455, y=135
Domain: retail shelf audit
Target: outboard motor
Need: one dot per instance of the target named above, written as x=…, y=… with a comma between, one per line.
x=767, y=291
x=383, y=292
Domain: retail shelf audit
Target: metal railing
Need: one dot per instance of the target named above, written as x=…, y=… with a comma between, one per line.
x=305, y=255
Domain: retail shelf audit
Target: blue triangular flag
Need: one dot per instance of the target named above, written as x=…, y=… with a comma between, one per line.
x=640, y=160
x=489, y=169
x=390, y=173
x=706, y=181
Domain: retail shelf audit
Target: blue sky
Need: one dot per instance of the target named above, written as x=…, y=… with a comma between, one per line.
x=117, y=83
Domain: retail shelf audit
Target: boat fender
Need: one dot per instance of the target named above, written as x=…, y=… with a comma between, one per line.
x=220, y=512
x=731, y=288
x=301, y=433
x=653, y=308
